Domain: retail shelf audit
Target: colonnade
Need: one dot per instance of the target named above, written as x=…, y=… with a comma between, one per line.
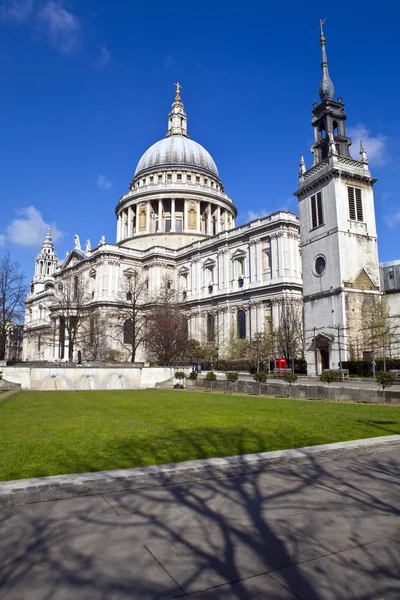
x=172, y=215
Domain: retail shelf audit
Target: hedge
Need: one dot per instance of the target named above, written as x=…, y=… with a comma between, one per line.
x=363, y=368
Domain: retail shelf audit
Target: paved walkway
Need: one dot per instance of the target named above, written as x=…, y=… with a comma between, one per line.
x=320, y=530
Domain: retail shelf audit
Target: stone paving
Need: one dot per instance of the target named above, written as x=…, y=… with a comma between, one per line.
x=313, y=526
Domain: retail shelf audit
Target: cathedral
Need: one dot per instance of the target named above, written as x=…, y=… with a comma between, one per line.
x=176, y=224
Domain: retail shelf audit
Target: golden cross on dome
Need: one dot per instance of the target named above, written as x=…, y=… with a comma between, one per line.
x=178, y=90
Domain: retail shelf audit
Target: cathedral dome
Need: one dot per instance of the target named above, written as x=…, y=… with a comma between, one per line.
x=179, y=151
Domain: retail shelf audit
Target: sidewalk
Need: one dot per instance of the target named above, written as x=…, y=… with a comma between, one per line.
x=318, y=528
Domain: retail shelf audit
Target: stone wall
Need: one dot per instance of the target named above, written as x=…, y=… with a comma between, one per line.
x=87, y=378
x=300, y=390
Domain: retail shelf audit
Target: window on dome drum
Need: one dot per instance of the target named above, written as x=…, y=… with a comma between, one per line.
x=355, y=203
x=188, y=177
x=179, y=177
x=212, y=184
x=178, y=225
x=167, y=225
x=159, y=177
x=317, y=215
x=151, y=178
x=128, y=332
x=205, y=180
x=210, y=328
x=241, y=324
x=197, y=179
x=169, y=176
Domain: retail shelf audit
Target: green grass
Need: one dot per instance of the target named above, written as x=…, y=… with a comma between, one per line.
x=49, y=433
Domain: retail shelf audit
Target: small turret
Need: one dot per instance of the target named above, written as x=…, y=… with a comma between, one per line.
x=45, y=264
x=177, y=119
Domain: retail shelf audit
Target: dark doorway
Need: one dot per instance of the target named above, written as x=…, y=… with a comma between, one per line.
x=324, y=358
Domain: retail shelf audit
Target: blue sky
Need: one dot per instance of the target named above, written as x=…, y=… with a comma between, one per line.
x=86, y=87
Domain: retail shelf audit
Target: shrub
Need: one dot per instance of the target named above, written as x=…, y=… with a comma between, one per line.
x=211, y=376
x=232, y=376
x=152, y=363
x=113, y=355
x=290, y=378
x=179, y=375
x=193, y=375
x=328, y=376
x=385, y=379
x=260, y=377
x=1, y=375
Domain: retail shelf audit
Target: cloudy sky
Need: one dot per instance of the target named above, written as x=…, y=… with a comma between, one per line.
x=86, y=87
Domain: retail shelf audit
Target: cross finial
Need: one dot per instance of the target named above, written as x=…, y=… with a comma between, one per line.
x=178, y=90
x=48, y=231
x=321, y=22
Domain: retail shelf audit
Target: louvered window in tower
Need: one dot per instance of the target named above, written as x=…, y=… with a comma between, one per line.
x=317, y=215
x=355, y=203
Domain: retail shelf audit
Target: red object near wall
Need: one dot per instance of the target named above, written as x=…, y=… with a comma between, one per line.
x=280, y=363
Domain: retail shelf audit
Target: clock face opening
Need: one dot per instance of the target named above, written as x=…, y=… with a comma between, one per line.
x=320, y=265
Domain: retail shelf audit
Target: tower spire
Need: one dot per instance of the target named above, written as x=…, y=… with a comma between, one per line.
x=177, y=119
x=326, y=88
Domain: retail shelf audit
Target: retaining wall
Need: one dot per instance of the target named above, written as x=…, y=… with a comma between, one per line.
x=300, y=390
x=86, y=378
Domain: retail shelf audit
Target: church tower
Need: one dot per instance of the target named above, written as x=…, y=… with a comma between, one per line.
x=338, y=235
x=45, y=265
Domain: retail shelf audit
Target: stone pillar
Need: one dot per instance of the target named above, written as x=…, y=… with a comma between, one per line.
x=160, y=207
x=225, y=220
x=198, y=223
x=281, y=254
x=227, y=274
x=209, y=220
x=148, y=224
x=119, y=228
x=185, y=224
x=130, y=228
x=172, y=214
x=218, y=219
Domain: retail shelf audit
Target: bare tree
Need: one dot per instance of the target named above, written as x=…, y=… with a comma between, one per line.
x=380, y=328
x=167, y=332
x=12, y=297
x=289, y=335
x=130, y=317
x=69, y=309
x=93, y=338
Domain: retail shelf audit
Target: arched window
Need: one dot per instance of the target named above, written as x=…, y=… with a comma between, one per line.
x=241, y=324
x=210, y=328
x=128, y=332
x=192, y=217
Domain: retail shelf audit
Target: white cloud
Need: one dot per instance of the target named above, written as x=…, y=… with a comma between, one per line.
x=375, y=146
x=392, y=220
x=104, y=57
x=169, y=62
x=30, y=228
x=103, y=182
x=2, y=239
x=47, y=18
x=61, y=27
x=252, y=215
x=16, y=10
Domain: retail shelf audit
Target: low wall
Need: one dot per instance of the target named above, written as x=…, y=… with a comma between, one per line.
x=86, y=378
x=8, y=386
x=300, y=390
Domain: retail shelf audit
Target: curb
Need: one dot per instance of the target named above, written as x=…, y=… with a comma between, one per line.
x=41, y=489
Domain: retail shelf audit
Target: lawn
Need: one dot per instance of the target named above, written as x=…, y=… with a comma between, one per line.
x=49, y=433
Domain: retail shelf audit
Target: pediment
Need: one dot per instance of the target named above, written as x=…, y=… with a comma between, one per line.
x=362, y=282
x=72, y=259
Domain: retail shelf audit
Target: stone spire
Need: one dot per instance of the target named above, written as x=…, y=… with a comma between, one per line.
x=46, y=260
x=302, y=167
x=177, y=119
x=326, y=89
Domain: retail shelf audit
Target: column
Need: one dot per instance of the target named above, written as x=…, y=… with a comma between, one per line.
x=185, y=224
x=226, y=270
x=209, y=221
x=148, y=224
x=218, y=219
x=281, y=253
x=198, y=224
x=251, y=269
x=225, y=220
x=119, y=227
x=160, y=207
x=129, y=221
x=172, y=214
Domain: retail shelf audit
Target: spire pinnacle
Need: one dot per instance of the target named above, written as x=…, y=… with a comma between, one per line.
x=178, y=91
x=326, y=89
x=302, y=167
x=48, y=232
x=177, y=119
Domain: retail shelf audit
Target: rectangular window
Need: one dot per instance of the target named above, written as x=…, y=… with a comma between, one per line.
x=188, y=177
x=179, y=177
x=178, y=225
x=169, y=176
x=197, y=179
x=355, y=203
x=159, y=177
x=317, y=215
